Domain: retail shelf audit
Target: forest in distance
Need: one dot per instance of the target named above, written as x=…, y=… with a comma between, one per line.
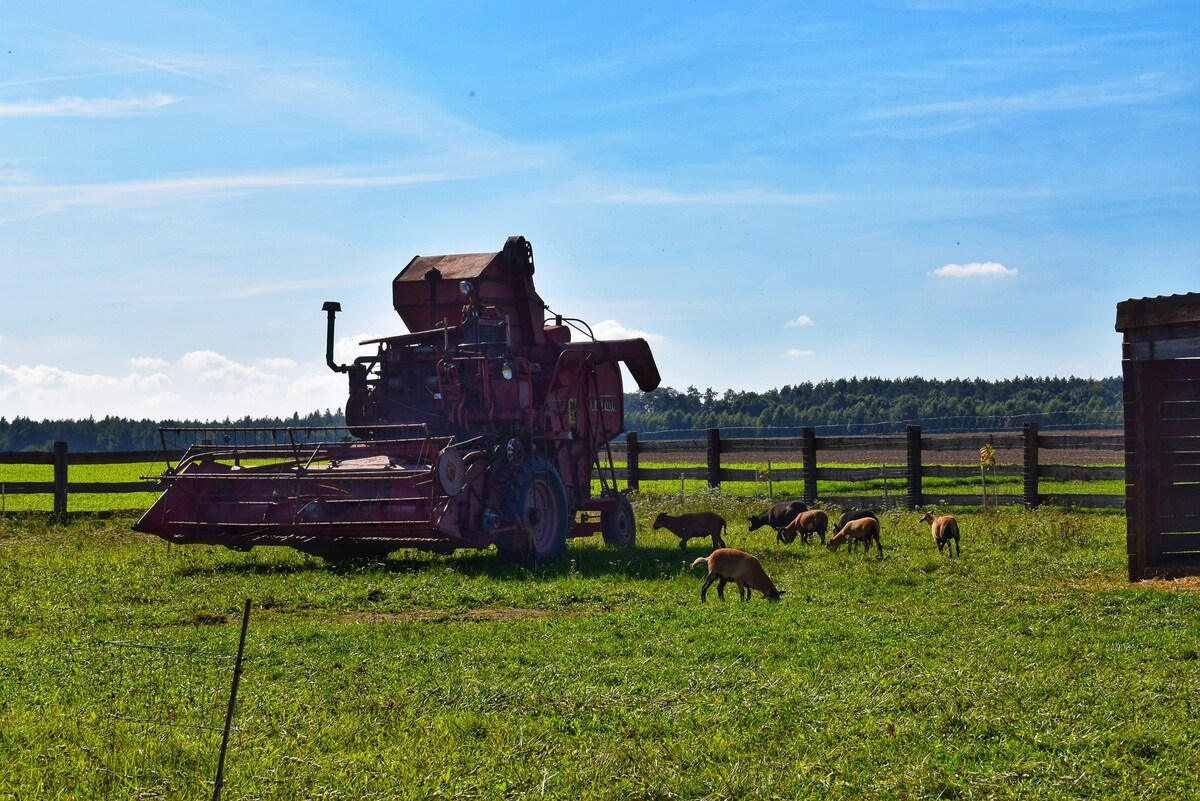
x=843, y=406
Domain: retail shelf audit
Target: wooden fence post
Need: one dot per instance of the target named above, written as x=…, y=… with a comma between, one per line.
x=714, y=458
x=809, y=457
x=1030, y=472
x=631, y=460
x=60, y=481
x=913, y=453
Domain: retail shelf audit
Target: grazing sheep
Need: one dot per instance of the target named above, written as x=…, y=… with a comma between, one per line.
x=777, y=516
x=852, y=514
x=863, y=530
x=728, y=564
x=696, y=524
x=945, y=531
x=814, y=521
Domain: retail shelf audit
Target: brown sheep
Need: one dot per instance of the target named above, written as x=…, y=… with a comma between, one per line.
x=864, y=530
x=696, y=524
x=852, y=514
x=728, y=564
x=945, y=532
x=814, y=521
x=777, y=516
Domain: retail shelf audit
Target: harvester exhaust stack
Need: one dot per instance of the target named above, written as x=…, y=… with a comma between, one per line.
x=484, y=425
x=331, y=308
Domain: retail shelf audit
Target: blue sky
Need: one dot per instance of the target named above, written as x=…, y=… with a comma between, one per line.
x=771, y=193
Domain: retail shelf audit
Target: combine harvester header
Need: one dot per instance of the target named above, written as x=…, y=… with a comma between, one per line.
x=483, y=425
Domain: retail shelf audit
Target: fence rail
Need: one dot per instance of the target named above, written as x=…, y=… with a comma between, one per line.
x=908, y=470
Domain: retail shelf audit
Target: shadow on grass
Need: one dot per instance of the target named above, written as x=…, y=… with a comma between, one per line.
x=583, y=562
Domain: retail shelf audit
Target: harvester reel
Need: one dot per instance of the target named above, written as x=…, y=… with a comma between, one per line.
x=538, y=499
x=450, y=472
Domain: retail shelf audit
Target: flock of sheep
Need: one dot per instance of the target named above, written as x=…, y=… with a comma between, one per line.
x=788, y=518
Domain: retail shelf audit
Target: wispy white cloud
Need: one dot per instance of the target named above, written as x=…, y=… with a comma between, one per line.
x=237, y=292
x=87, y=106
x=803, y=321
x=1141, y=89
x=798, y=353
x=34, y=200
x=974, y=270
x=611, y=329
x=735, y=197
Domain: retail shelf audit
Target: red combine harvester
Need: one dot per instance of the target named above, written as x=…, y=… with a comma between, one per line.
x=483, y=426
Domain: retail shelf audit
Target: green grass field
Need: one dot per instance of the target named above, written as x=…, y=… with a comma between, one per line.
x=1027, y=669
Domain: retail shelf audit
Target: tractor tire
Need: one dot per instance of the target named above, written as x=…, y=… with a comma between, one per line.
x=538, y=500
x=618, y=526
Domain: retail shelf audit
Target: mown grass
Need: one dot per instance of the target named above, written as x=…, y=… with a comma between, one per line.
x=1026, y=669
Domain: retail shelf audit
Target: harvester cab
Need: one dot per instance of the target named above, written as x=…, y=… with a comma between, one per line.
x=486, y=424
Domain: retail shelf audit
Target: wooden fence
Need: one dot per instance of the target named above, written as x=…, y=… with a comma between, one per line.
x=61, y=460
x=910, y=451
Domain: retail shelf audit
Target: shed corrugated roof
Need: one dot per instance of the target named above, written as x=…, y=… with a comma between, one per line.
x=1158, y=311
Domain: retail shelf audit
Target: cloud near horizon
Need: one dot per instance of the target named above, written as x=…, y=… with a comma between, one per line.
x=974, y=270
x=611, y=329
x=798, y=353
x=803, y=321
x=190, y=387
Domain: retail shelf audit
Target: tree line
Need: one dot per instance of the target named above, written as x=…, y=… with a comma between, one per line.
x=881, y=405
x=844, y=406
x=120, y=434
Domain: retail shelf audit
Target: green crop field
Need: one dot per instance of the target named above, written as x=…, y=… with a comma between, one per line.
x=1026, y=669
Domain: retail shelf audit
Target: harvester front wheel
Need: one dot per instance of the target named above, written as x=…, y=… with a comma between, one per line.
x=618, y=526
x=538, y=500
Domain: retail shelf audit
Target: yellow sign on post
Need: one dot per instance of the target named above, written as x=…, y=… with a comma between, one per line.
x=987, y=460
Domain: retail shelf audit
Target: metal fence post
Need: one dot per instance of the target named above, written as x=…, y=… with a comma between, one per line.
x=237, y=676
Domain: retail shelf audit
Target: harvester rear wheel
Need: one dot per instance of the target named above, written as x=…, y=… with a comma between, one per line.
x=618, y=526
x=538, y=500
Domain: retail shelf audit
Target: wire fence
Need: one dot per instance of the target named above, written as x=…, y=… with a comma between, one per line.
x=157, y=720
x=1065, y=420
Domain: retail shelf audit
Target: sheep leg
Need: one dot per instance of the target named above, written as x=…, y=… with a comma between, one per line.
x=683, y=542
x=704, y=590
x=721, y=588
x=717, y=541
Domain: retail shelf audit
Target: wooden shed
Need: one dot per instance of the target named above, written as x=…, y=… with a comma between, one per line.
x=1161, y=369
